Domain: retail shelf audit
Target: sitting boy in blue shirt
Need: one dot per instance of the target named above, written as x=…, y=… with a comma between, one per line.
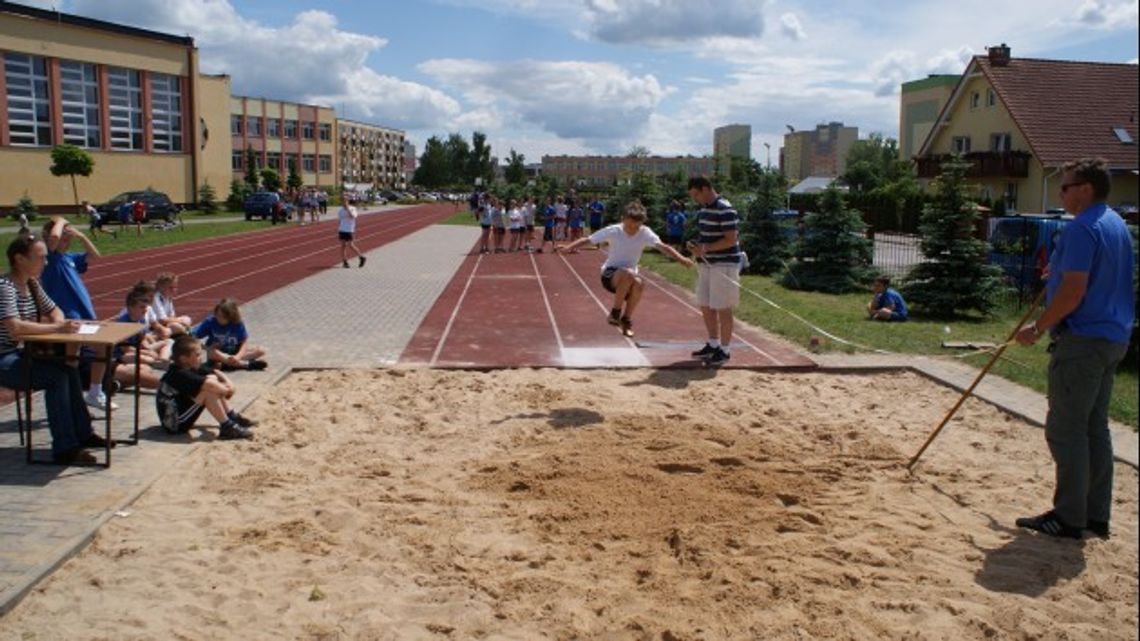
x=886, y=304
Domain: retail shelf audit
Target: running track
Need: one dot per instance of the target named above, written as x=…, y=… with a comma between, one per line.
x=549, y=310
x=246, y=265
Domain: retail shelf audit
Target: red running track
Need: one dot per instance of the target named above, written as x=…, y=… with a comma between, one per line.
x=246, y=265
x=549, y=310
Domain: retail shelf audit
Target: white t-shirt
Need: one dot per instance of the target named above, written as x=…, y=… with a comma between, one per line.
x=560, y=211
x=347, y=217
x=624, y=250
x=162, y=307
x=516, y=218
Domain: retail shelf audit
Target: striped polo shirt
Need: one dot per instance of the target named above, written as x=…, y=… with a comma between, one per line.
x=13, y=305
x=713, y=222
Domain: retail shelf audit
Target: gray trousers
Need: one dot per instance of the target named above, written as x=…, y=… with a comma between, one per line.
x=1081, y=373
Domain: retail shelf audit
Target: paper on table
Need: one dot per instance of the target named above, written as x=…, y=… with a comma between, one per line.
x=88, y=328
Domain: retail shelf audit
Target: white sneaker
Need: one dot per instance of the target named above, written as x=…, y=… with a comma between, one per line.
x=99, y=401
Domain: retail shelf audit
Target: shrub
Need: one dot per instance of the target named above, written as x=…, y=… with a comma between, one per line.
x=832, y=255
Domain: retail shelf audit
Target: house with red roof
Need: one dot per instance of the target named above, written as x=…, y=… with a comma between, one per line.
x=1018, y=120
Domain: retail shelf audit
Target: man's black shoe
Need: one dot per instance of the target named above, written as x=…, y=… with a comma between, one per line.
x=707, y=350
x=242, y=421
x=717, y=358
x=96, y=441
x=74, y=457
x=234, y=432
x=1049, y=523
x=1099, y=528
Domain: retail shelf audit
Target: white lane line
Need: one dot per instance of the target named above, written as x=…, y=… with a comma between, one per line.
x=549, y=311
x=454, y=313
x=601, y=305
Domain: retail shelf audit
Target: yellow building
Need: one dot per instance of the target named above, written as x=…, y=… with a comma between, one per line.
x=1018, y=120
x=817, y=152
x=920, y=102
x=284, y=135
x=732, y=141
x=370, y=156
x=132, y=98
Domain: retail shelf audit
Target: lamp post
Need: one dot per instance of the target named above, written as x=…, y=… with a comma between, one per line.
x=768, y=150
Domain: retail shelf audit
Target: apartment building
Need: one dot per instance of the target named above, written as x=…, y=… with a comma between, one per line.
x=370, y=155
x=605, y=171
x=817, y=152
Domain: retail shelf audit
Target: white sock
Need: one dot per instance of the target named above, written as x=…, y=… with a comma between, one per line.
x=714, y=342
x=724, y=348
x=95, y=390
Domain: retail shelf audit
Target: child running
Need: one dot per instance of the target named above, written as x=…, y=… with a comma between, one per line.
x=227, y=340
x=626, y=241
x=189, y=387
x=346, y=232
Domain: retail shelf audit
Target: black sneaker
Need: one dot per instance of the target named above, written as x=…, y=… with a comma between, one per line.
x=627, y=326
x=362, y=260
x=1099, y=528
x=242, y=421
x=234, y=432
x=256, y=365
x=1049, y=523
x=615, y=317
x=717, y=358
x=707, y=350
x=346, y=264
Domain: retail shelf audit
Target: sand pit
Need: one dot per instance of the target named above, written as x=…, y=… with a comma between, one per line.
x=663, y=505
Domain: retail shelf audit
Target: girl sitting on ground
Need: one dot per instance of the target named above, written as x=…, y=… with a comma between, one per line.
x=163, y=306
x=227, y=340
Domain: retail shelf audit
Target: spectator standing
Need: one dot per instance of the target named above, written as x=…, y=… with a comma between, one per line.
x=675, y=220
x=717, y=250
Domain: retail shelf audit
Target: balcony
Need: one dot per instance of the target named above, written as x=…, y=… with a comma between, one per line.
x=983, y=164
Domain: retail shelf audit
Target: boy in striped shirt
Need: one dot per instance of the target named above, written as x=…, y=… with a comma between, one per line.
x=717, y=251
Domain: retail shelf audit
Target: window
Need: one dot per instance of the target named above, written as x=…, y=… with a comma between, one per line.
x=326, y=164
x=29, y=106
x=308, y=163
x=166, y=112
x=125, y=106
x=273, y=128
x=79, y=102
x=975, y=100
x=291, y=129
x=237, y=125
x=326, y=131
x=991, y=97
x=307, y=130
x=960, y=144
x=236, y=159
x=273, y=160
x=1122, y=135
x=1011, y=197
x=253, y=126
x=1000, y=142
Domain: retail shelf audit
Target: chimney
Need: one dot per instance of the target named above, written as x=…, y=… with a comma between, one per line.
x=999, y=56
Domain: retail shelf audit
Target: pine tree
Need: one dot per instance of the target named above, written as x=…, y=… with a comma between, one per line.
x=955, y=278
x=207, y=198
x=239, y=191
x=251, y=166
x=833, y=256
x=761, y=235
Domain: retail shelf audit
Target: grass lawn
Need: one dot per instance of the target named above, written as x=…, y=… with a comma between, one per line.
x=462, y=217
x=128, y=240
x=843, y=316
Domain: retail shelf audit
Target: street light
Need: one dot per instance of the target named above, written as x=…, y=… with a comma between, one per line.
x=768, y=149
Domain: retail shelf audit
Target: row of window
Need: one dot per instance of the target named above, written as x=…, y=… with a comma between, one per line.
x=998, y=142
x=278, y=128
x=614, y=166
x=976, y=99
x=30, y=105
x=277, y=160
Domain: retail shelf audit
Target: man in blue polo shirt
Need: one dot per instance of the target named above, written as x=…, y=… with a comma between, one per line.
x=1088, y=313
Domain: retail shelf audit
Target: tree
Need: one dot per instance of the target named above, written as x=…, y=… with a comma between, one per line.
x=239, y=191
x=872, y=163
x=26, y=207
x=833, y=255
x=251, y=166
x=270, y=179
x=479, y=163
x=433, y=166
x=761, y=236
x=458, y=153
x=639, y=151
x=516, y=168
x=69, y=160
x=294, y=182
x=207, y=198
x=645, y=189
x=956, y=276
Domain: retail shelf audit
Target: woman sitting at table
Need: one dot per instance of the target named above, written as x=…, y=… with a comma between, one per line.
x=25, y=310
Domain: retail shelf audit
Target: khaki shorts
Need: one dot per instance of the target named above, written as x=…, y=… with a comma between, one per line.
x=716, y=285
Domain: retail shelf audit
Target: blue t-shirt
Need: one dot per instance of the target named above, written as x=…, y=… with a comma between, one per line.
x=597, y=209
x=891, y=298
x=575, y=218
x=227, y=338
x=675, y=222
x=548, y=217
x=1096, y=242
x=63, y=285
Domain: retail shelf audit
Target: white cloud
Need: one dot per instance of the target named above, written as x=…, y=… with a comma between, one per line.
x=1108, y=15
x=311, y=59
x=585, y=100
x=790, y=26
x=660, y=22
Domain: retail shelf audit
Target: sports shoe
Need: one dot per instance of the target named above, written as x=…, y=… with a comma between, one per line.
x=256, y=365
x=242, y=421
x=717, y=358
x=346, y=264
x=1099, y=528
x=362, y=259
x=233, y=432
x=705, y=351
x=614, y=318
x=98, y=401
x=1049, y=523
x=627, y=326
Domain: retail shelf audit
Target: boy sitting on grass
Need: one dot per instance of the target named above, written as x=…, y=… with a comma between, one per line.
x=886, y=304
x=189, y=387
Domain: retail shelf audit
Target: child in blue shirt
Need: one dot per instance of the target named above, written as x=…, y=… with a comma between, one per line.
x=227, y=340
x=675, y=224
x=886, y=304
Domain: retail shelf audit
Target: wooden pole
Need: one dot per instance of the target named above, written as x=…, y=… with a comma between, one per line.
x=978, y=379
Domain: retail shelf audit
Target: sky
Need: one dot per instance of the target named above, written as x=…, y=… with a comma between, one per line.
x=604, y=76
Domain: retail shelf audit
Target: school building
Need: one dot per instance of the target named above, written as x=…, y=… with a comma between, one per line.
x=284, y=136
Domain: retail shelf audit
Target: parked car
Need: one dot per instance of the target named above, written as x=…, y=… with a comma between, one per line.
x=266, y=205
x=158, y=205
x=1021, y=246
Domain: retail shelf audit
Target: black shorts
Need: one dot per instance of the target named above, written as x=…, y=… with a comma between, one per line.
x=608, y=279
x=345, y=236
x=548, y=234
x=485, y=227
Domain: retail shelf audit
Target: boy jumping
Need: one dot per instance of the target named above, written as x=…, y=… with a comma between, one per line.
x=626, y=240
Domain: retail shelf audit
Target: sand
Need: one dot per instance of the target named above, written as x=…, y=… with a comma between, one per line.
x=544, y=504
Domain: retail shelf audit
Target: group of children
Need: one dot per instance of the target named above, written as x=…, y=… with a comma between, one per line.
x=562, y=219
x=188, y=378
